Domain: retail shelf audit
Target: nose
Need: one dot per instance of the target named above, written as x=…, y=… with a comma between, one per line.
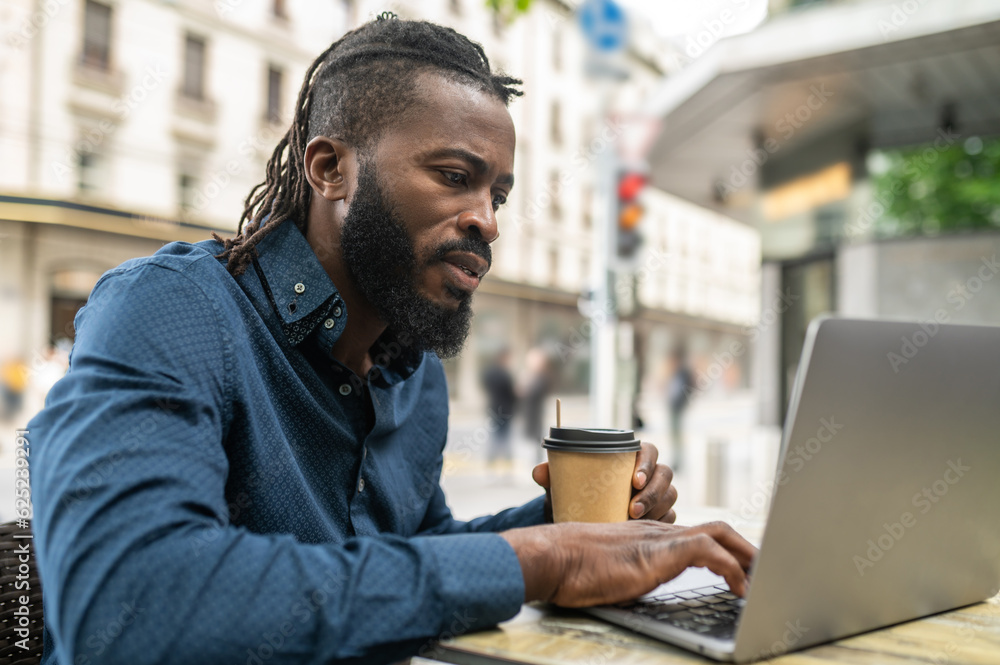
x=480, y=216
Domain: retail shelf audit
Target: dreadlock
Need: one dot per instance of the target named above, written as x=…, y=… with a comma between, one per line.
x=356, y=89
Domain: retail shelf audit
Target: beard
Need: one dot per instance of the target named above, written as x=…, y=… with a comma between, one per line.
x=381, y=258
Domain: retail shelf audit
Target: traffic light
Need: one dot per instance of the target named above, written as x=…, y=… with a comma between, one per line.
x=630, y=212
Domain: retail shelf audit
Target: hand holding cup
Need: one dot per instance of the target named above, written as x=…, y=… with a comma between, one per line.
x=596, y=472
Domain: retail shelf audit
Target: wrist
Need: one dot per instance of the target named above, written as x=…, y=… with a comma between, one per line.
x=539, y=559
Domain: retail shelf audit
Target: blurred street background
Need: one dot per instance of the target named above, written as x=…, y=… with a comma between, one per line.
x=695, y=182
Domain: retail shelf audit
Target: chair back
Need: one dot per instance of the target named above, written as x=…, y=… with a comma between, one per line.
x=20, y=596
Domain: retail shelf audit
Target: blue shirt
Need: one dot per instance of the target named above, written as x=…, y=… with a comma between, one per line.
x=211, y=486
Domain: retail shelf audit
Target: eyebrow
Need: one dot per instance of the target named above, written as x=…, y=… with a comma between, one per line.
x=478, y=163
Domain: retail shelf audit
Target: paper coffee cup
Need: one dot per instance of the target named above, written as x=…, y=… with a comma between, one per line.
x=590, y=473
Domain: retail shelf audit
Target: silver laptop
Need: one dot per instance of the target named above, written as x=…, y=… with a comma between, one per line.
x=885, y=507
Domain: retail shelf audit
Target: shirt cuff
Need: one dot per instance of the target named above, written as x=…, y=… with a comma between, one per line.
x=480, y=582
x=530, y=514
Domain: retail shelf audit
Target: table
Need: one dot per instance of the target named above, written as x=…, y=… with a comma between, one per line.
x=546, y=635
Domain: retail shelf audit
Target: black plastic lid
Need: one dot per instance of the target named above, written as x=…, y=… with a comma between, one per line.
x=591, y=440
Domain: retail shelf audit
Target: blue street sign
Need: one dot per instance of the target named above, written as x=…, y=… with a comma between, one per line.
x=604, y=24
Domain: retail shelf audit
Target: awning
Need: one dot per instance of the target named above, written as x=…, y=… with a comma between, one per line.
x=893, y=72
x=96, y=218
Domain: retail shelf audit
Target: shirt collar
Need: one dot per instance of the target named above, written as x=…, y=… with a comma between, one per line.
x=395, y=358
x=297, y=282
x=302, y=294
x=296, y=278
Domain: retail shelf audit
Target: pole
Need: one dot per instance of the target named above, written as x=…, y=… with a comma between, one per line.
x=603, y=317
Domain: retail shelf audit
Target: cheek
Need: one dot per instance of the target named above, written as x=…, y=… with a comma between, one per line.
x=431, y=282
x=428, y=272
x=424, y=253
x=426, y=238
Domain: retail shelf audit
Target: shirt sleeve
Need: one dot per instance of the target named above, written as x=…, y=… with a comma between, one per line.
x=439, y=519
x=136, y=554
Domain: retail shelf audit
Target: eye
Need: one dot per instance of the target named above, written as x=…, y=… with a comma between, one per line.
x=498, y=201
x=455, y=177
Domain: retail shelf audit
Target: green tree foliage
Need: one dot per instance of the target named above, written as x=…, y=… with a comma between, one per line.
x=929, y=189
x=508, y=10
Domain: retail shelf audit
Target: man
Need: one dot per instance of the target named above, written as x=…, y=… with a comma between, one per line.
x=678, y=396
x=13, y=382
x=537, y=387
x=242, y=463
x=501, y=400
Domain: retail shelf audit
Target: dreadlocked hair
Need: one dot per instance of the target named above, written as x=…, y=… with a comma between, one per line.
x=355, y=90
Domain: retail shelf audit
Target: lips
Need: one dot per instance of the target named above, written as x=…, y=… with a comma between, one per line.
x=468, y=263
x=467, y=269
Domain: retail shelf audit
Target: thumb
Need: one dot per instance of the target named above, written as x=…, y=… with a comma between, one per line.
x=540, y=474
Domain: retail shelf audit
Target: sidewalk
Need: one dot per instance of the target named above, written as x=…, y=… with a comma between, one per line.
x=730, y=462
x=473, y=489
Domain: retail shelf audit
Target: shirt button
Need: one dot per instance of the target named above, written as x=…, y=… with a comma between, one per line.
x=345, y=389
x=361, y=485
x=300, y=288
x=337, y=311
x=329, y=323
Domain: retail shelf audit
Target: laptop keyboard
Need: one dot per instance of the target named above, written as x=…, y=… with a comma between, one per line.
x=711, y=610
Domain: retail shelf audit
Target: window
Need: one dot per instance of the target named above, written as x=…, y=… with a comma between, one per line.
x=557, y=50
x=554, y=266
x=194, y=67
x=274, y=78
x=555, y=131
x=62, y=312
x=556, y=191
x=187, y=187
x=96, y=35
x=87, y=173
x=70, y=289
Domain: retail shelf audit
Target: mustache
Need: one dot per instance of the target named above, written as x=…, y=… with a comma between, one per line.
x=476, y=246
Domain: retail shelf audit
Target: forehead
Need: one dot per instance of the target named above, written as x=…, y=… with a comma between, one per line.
x=452, y=115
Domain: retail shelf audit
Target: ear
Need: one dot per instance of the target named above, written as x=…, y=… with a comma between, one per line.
x=330, y=167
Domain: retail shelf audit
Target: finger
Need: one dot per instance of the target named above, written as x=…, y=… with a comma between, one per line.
x=657, y=497
x=702, y=550
x=663, y=508
x=728, y=538
x=645, y=462
x=540, y=474
x=617, y=562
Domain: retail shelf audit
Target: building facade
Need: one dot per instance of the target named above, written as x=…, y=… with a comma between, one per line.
x=127, y=124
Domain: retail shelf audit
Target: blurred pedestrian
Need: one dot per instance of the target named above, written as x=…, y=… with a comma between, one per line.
x=537, y=388
x=678, y=397
x=13, y=382
x=501, y=400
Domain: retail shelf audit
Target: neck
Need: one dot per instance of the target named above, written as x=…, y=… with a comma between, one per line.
x=363, y=323
x=362, y=329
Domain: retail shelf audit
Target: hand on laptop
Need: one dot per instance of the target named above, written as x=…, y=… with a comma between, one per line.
x=655, y=496
x=574, y=564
